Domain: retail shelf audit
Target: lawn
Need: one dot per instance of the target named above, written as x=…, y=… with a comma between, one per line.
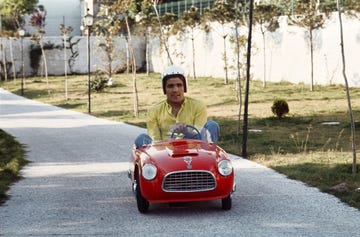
x=11, y=161
x=305, y=145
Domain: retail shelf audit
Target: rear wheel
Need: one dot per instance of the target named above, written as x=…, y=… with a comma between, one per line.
x=142, y=203
x=226, y=203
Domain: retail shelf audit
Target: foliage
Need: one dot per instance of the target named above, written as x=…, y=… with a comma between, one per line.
x=222, y=12
x=267, y=16
x=38, y=16
x=279, y=108
x=11, y=161
x=99, y=83
x=14, y=10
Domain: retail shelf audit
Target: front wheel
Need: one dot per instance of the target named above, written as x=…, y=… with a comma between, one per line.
x=226, y=203
x=142, y=203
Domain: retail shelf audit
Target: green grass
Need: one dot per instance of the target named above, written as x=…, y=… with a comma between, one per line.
x=11, y=161
x=299, y=145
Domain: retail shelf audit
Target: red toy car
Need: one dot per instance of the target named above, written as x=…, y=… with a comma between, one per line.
x=181, y=170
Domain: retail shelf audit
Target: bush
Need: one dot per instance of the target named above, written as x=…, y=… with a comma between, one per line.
x=279, y=108
x=99, y=83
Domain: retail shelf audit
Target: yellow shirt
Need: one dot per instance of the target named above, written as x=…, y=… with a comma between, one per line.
x=160, y=119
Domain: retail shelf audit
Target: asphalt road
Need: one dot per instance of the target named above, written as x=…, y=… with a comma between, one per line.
x=76, y=184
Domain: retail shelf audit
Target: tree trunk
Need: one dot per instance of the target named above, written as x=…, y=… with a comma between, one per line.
x=246, y=100
x=225, y=62
x=264, y=48
x=133, y=64
x=147, y=36
x=162, y=38
x=65, y=69
x=12, y=60
x=193, y=52
x=45, y=64
x=238, y=76
x=4, y=59
x=354, y=166
x=312, y=60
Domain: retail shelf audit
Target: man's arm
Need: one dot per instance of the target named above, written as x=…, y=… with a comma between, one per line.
x=200, y=114
x=152, y=125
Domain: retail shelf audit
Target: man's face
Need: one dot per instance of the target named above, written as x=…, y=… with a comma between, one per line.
x=174, y=89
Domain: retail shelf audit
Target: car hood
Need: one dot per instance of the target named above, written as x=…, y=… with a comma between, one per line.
x=183, y=154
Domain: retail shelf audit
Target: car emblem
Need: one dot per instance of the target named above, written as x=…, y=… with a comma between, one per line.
x=188, y=160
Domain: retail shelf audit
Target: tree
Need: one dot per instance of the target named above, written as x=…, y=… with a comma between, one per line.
x=247, y=84
x=169, y=20
x=65, y=31
x=266, y=15
x=147, y=24
x=306, y=14
x=121, y=12
x=14, y=10
x=189, y=20
x=222, y=12
x=354, y=166
x=37, y=19
x=107, y=27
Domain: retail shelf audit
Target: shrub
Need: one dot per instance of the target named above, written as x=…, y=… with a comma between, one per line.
x=279, y=108
x=99, y=83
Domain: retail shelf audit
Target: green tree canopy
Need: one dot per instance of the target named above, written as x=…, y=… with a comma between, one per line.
x=13, y=11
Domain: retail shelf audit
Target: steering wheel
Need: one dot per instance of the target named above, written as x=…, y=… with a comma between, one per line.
x=190, y=132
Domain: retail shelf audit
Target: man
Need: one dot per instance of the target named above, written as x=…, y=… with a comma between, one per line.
x=176, y=111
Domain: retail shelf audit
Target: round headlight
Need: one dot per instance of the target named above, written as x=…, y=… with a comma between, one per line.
x=225, y=167
x=149, y=171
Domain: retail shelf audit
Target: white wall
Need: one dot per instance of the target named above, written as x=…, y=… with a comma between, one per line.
x=55, y=56
x=287, y=53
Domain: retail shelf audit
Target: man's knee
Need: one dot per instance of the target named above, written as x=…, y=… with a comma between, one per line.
x=214, y=130
x=142, y=139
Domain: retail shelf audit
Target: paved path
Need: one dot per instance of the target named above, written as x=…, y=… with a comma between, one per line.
x=76, y=184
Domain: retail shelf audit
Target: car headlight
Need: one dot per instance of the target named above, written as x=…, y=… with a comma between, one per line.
x=149, y=171
x=225, y=167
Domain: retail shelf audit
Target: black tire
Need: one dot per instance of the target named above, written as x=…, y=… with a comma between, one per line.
x=226, y=203
x=142, y=203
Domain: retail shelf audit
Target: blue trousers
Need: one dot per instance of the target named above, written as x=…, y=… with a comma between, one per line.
x=210, y=132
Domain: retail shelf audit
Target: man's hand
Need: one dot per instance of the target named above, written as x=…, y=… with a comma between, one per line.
x=179, y=128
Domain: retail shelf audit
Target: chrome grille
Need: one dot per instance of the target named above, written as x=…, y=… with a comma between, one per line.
x=189, y=181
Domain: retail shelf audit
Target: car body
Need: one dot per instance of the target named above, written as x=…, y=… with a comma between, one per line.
x=181, y=170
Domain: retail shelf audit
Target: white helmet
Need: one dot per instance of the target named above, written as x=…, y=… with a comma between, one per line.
x=173, y=71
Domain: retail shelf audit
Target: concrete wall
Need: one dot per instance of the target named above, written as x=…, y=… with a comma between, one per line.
x=287, y=53
x=55, y=55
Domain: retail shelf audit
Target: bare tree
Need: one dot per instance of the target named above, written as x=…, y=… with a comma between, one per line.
x=37, y=19
x=147, y=24
x=123, y=9
x=222, y=12
x=163, y=39
x=189, y=21
x=306, y=14
x=266, y=15
x=65, y=31
x=354, y=169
